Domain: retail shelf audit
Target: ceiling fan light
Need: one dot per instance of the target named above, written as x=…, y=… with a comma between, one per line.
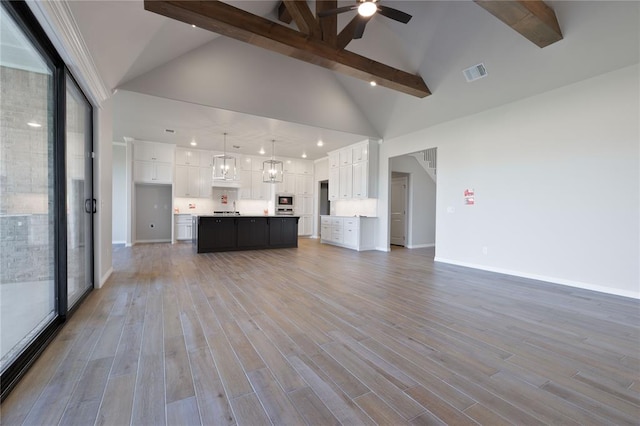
x=367, y=9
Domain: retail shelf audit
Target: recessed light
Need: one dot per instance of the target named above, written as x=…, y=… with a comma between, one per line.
x=304, y=155
x=193, y=26
x=34, y=124
x=261, y=151
x=194, y=143
x=320, y=143
x=373, y=83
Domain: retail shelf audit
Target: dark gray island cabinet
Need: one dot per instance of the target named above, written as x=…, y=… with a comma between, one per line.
x=229, y=233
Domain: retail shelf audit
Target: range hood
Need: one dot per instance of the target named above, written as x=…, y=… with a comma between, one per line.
x=225, y=184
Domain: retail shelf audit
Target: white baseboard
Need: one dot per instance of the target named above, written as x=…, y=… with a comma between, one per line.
x=413, y=246
x=119, y=242
x=553, y=280
x=151, y=241
x=105, y=277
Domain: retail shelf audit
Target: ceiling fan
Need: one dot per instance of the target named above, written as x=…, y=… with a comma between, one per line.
x=366, y=9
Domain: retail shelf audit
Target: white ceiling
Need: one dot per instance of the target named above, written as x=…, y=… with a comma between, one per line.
x=170, y=75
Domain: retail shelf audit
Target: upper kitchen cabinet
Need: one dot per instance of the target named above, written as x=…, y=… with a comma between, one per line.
x=187, y=157
x=304, y=167
x=153, y=162
x=289, y=165
x=187, y=181
x=353, y=171
x=153, y=151
x=334, y=159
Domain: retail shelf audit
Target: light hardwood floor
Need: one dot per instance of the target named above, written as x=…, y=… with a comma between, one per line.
x=322, y=335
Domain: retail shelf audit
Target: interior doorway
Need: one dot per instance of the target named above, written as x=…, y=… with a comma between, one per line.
x=399, y=209
x=412, y=200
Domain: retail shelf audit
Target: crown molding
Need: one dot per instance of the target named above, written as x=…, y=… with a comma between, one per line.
x=57, y=20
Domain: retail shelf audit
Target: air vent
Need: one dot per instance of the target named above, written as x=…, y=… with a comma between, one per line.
x=475, y=72
x=169, y=131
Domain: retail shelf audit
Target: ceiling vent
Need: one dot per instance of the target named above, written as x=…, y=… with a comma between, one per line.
x=475, y=72
x=169, y=131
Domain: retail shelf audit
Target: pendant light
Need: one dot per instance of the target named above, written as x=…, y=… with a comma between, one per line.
x=272, y=170
x=224, y=166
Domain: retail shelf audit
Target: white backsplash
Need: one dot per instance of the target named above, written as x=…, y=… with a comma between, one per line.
x=204, y=206
x=367, y=207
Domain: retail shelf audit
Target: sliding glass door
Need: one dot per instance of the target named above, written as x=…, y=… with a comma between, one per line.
x=27, y=199
x=46, y=201
x=79, y=199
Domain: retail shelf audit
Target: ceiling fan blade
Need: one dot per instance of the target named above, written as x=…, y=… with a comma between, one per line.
x=359, y=30
x=394, y=14
x=330, y=12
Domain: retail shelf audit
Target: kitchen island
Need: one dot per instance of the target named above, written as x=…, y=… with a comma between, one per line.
x=238, y=232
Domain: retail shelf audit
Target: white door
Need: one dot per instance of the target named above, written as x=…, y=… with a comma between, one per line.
x=399, y=211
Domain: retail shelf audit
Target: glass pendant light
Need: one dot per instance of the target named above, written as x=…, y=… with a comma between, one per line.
x=224, y=166
x=272, y=170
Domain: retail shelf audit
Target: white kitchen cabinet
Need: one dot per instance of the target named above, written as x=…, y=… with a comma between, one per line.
x=360, y=152
x=304, y=167
x=153, y=151
x=259, y=189
x=360, y=180
x=206, y=159
x=334, y=160
x=357, y=174
x=152, y=172
x=288, y=185
x=346, y=182
x=183, y=227
x=206, y=179
x=356, y=233
x=187, y=181
x=305, y=225
x=257, y=163
x=245, y=177
x=153, y=162
x=304, y=185
x=345, y=157
x=187, y=157
x=246, y=163
x=334, y=184
x=289, y=165
x=304, y=205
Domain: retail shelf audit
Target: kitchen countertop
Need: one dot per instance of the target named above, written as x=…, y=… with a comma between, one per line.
x=245, y=215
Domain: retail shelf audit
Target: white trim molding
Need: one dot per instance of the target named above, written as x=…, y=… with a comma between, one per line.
x=415, y=246
x=552, y=280
x=58, y=22
x=105, y=277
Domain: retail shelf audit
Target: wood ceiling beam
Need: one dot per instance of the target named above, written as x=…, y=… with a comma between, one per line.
x=283, y=14
x=328, y=24
x=532, y=18
x=302, y=16
x=235, y=23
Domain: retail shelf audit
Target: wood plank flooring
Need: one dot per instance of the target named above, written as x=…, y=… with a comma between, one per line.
x=322, y=335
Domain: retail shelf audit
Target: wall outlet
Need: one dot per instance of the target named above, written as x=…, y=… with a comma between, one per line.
x=485, y=250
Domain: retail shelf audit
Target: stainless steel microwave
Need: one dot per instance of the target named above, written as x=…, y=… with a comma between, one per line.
x=284, y=201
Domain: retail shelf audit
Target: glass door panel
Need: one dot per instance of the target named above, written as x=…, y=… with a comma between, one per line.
x=79, y=194
x=27, y=202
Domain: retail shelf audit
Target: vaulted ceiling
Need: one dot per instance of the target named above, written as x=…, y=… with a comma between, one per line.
x=200, y=84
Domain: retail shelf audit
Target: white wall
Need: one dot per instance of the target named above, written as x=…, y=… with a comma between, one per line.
x=421, y=201
x=557, y=186
x=119, y=190
x=102, y=145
